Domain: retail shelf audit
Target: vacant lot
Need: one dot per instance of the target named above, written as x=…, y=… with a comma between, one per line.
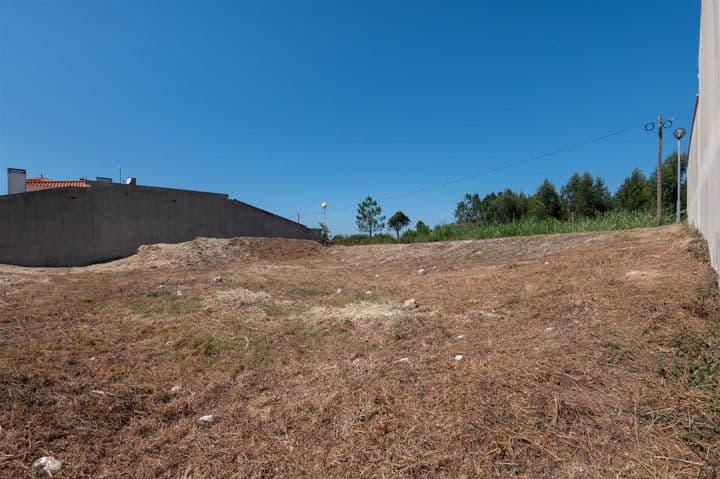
x=584, y=355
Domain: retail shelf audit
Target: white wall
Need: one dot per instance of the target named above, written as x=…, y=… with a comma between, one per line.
x=704, y=163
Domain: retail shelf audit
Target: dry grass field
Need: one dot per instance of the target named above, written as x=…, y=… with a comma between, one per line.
x=577, y=356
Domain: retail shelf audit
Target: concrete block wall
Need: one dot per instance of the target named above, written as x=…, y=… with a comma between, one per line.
x=704, y=159
x=79, y=226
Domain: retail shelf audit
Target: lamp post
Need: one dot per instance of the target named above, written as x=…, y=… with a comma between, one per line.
x=679, y=133
x=324, y=209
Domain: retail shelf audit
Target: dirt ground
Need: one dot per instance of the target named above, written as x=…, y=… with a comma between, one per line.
x=583, y=355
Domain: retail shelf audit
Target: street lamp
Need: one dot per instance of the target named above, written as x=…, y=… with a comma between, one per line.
x=679, y=133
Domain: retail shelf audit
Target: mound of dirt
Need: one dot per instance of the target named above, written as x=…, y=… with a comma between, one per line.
x=209, y=251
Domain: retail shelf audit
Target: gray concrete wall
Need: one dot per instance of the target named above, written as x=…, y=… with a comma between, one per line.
x=704, y=161
x=78, y=226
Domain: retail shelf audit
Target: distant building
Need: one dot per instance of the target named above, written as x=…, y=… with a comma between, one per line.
x=19, y=183
x=45, y=222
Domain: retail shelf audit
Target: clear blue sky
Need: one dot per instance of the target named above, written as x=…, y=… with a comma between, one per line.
x=288, y=104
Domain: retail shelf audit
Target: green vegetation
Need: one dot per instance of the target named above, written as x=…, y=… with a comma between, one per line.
x=614, y=220
x=208, y=345
x=397, y=222
x=79, y=337
x=369, y=217
x=584, y=203
x=324, y=235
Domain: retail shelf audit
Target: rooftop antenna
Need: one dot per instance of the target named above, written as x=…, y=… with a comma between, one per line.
x=119, y=174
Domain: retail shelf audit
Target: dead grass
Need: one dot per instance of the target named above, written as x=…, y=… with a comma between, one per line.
x=587, y=355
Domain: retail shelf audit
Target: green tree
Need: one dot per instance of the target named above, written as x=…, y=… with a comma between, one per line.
x=369, y=217
x=584, y=197
x=324, y=235
x=469, y=210
x=635, y=194
x=397, y=222
x=546, y=202
x=422, y=229
x=504, y=207
x=669, y=182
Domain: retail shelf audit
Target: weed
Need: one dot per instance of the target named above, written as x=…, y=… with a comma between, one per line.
x=208, y=345
x=79, y=337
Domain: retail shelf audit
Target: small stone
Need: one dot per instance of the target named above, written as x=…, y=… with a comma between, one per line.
x=92, y=358
x=162, y=286
x=179, y=293
x=208, y=419
x=403, y=360
x=411, y=304
x=548, y=330
x=175, y=389
x=458, y=357
x=218, y=279
x=368, y=293
x=339, y=291
x=377, y=275
x=49, y=464
x=422, y=271
x=99, y=391
x=547, y=263
x=461, y=336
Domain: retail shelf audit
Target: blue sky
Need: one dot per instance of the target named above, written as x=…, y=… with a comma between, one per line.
x=288, y=104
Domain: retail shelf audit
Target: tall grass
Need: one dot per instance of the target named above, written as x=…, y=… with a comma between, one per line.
x=617, y=220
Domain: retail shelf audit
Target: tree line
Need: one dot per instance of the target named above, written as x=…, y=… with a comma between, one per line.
x=582, y=196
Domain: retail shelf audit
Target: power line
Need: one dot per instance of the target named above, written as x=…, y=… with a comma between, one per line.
x=506, y=166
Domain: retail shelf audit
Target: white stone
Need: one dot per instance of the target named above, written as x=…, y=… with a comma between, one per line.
x=547, y=263
x=175, y=389
x=208, y=419
x=179, y=293
x=411, y=304
x=98, y=391
x=339, y=291
x=218, y=279
x=422, y=271
x=458, y=357
x=377, y=275
x=461, y=336
x=49, y=464
x=403, y=360
x=368, y=293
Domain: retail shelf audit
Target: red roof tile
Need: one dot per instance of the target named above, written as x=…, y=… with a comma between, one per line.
x=40, y=183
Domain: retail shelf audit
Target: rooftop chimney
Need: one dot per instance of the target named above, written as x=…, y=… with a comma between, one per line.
x=16, y=180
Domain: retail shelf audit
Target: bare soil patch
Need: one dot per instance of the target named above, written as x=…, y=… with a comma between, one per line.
x=582, y=355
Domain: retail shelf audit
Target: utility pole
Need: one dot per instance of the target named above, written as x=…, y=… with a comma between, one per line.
x=660, y=125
